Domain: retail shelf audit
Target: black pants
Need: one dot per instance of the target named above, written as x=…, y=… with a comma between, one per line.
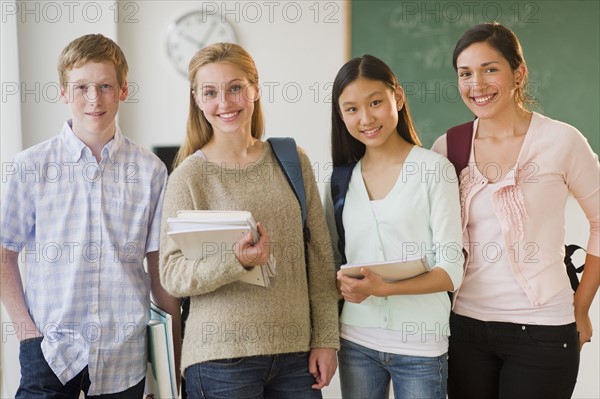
x=510, y=361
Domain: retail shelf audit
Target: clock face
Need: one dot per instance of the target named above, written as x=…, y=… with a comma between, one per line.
x=193, y=31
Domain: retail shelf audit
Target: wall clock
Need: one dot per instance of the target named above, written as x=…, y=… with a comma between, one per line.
x=192, y=31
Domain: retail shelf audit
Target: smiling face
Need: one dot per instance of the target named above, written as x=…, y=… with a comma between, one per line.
x=225, y=97
x=369, y=109
x=93, y=94
x=486, y=81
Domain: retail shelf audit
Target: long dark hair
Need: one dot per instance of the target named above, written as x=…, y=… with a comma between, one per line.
x=504, y=41
x=344, y=147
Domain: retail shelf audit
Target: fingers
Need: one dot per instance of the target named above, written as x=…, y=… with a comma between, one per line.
x=345, y=280
x=251, y=254
x=245, y=241
x=312, y=367
x=346, y=288
x=319, y=376
x=240, y=249
x=262, y=232
x=351, y=295
x=352, y=288
x=322, y=366
x=584, y=339
x=320, y=384
x=264, y=241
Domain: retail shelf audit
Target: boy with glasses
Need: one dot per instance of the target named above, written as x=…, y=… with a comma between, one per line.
x=83, y=209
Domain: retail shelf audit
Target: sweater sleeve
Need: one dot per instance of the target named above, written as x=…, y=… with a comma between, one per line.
x=180, y=276
x=321, y=272
x=582, y=176
x=446, y=221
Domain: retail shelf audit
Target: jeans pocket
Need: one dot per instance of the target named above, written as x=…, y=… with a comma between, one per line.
x=31, y=358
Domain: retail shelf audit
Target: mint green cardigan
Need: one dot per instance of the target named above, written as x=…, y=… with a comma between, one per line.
x=420, y=216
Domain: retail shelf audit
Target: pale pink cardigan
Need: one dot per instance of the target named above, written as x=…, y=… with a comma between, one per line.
x=555, y=159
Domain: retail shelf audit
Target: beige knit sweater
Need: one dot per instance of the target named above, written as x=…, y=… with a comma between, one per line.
x=229, y=318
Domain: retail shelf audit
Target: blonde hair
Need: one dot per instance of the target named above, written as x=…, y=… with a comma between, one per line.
x=95, y=48
x=199, y=130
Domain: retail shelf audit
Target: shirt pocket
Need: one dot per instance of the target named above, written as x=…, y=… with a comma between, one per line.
x=127, y=221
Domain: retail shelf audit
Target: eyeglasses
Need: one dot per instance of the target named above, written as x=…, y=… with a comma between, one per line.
x=83, y=90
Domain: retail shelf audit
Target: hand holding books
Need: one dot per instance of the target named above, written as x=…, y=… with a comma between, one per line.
x=204, y=233
x=251, y=253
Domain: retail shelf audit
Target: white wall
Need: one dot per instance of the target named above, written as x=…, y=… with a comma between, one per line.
x=588, y=383
x=304, y=54
x=301, y=57
x=10, y=143
x=44, y=29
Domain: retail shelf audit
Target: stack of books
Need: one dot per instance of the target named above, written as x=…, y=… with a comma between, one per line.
x=161, y=378
x=202, y=233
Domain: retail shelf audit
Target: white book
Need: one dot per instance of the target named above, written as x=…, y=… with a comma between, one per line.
x=212, y=217
x=176, y=224
x=202, y=243
x=204, y=214
x=393, y=270
x=239, y=218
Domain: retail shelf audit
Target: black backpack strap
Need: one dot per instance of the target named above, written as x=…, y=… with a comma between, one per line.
x=458, y=141
x=340, y=180
x=571, y=269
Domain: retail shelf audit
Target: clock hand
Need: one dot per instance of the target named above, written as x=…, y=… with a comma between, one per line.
x=192, y=39
x=209, y=31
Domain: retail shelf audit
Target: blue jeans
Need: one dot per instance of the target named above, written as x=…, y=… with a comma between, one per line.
x=366, y=373
x=39, y=381
x=282, y=376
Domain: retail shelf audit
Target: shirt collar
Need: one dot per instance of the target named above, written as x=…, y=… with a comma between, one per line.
x=76, y=147
x=113, y=146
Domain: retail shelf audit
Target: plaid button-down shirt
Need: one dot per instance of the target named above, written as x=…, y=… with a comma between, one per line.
x=83, y=228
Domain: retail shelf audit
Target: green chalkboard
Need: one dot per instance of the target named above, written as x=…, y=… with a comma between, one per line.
x=560, y=39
